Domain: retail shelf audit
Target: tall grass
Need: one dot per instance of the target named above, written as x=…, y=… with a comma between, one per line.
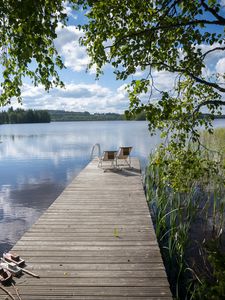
x=190, y=221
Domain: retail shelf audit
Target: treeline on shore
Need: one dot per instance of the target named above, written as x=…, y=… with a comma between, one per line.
x=45, y=116
x=61, y=115
x=19, y=116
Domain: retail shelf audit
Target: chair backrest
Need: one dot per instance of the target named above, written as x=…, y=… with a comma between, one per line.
x=124, y=152
x=109, y=155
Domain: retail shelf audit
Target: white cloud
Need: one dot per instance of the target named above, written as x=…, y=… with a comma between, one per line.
x=122, y=92
x=139, y=72
x=66, y=34
x=220, y=66
x=164, y=80
x=212, y=58
x=69, y=11
x=75, y=56
x=75, y=97
x=32, y=91
x=67, y=44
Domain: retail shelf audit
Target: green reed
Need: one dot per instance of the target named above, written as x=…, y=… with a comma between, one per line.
x=187, y=220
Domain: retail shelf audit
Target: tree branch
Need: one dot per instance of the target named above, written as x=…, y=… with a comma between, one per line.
x=196, y=78
x=167, y=27
x=203, y=81
x=213, y=102
x=181, y=24
x=213, y=12
x=212, y=50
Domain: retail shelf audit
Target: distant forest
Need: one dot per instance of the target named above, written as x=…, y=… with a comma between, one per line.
x=24, y=116
x=45, y=116
x=61, y=115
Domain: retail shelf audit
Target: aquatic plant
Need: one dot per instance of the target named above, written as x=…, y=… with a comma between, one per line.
x=186, y=196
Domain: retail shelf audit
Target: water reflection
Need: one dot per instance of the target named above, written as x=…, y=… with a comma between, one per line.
x=37, y=161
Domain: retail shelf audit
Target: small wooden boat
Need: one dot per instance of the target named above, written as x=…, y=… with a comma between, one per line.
x=5, y=276
x=13, y=257
x=11, y=267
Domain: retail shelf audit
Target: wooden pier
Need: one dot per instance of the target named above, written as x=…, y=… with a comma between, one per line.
x=95, y=242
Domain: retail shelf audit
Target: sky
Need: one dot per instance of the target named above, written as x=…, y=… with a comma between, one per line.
x=82, y=91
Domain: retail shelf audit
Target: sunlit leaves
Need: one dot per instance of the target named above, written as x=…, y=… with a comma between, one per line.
x=28, y=30
x=161, y=35
x=149, y=33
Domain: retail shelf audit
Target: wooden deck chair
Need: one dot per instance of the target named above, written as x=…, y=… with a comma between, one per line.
x=124, y=154
x=107, y=156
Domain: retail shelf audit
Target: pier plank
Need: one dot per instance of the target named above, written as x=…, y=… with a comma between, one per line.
x=95, y=242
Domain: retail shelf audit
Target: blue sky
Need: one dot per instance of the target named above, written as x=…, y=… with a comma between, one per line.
x=82, y=91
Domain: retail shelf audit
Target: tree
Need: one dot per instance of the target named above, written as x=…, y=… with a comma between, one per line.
x=163, y=35
x=28, y=30
x=168, y=35
x=24, y=116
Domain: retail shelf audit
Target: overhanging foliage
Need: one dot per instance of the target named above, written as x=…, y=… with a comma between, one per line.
x=165, y=35
x=28, y=30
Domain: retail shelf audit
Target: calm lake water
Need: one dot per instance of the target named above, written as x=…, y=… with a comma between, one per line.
x=37, y=161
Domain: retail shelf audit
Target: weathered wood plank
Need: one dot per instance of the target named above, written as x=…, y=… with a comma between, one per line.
x=95, y=242
x=75, y=281
x=90, y=261
x=74, y=297
x=100, y=267
x=100, y=249
x=84, y=238
x=124, y=291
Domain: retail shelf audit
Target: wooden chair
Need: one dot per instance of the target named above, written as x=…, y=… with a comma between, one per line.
x=108, y=156
x=124, y=154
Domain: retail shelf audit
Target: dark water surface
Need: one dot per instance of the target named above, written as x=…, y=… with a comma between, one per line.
x=37, y=161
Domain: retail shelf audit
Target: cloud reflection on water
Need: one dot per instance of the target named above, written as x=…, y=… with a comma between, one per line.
x=37, y=161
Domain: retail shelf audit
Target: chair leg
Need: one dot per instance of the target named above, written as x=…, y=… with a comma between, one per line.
x=100, y=164
x=129, y=161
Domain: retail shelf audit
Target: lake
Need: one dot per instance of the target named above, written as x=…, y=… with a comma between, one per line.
x=37, y=161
